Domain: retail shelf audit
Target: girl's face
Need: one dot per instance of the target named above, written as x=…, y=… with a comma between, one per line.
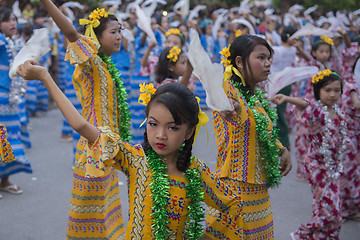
x=9, y=28
x=164, y=136
x=173, y=40
x=180, y=66
x=110, y=39
x=260, y=61
x=165, y=22
x=322, y=53
x=330, y=93
x=183, y=29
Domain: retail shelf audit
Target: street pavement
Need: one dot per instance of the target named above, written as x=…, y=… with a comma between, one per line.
x=41, y=212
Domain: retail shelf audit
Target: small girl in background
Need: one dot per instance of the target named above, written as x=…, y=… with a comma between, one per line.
x=166, y=183
x=173, y=66
x=327, y=140
x=11, y=96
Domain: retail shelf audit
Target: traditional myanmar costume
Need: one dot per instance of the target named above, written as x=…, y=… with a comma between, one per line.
x=6, y=151
x=110, y=151
x=95, y=210
x=240, y=165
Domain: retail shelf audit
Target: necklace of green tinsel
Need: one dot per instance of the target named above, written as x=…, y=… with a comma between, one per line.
x=125, y=117
x=266, y=139
x=160, y=194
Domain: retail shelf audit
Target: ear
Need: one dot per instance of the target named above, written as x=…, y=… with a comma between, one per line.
x=239, y=63
x=189, y=133
x=171, y=67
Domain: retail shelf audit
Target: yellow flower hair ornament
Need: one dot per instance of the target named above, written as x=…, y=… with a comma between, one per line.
x=93, y=22
x=327, y=40
x=174, y=54
x=321, y=74
x=146, y=91
x=229, y=67
x=174, y=31
x=238, y=33
x=203, y=119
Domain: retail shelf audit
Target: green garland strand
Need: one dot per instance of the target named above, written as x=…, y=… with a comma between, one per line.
x=125, y=116
x=267, y=140
x=160, y=194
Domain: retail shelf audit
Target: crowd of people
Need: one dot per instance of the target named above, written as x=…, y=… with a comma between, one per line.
x=122, y=79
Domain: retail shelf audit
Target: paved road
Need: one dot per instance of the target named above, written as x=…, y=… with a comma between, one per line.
x=41, y=212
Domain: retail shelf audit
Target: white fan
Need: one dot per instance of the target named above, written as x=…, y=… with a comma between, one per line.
x=210, y=74
x=287, y=76
x=37, y=46
x=311, y=30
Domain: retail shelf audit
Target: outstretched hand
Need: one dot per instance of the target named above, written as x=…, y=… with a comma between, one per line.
x=279, y=99
x=30, y=71
x=230, y=114
x=285, y=163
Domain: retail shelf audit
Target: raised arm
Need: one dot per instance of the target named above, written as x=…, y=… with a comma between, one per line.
x=298, y=102
x=30, y=71
x=61, y=21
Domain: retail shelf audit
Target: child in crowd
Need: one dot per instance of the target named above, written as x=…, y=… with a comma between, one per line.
x=104, y=102
x=248, y=148
x=173, y=66
x=328, y=145
x=166, y=183
x=11, y=96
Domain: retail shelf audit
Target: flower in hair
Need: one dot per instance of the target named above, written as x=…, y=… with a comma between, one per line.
x=327, y=40
x=226, y=54
x=238, y=33
x=320, y=75
x=98, y=13
x=174, y=54
x=174, y=31
x=146, y=90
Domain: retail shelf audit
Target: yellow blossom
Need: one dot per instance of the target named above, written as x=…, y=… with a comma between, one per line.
x=174, y=31
x=238, y=33
x=174, y=54
x=146, y=91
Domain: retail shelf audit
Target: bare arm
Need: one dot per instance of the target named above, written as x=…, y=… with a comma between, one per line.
x=30, y=71
x=145, y=58
x=186, y=77
x=61, y=21
x=354, y=96
x=298, y=102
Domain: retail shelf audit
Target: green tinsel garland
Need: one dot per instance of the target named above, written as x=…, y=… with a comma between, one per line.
x=160, y=194
x=125, y=116
x=267, y=140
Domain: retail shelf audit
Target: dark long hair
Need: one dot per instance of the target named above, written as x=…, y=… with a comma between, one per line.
x=243, y=46
x=162, y=68
x=184, y=108
x=5, y=14
x=102, y=26
x=324, y=82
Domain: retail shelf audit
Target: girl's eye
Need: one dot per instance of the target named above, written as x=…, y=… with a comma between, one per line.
x=152, y=124
x=174, y=128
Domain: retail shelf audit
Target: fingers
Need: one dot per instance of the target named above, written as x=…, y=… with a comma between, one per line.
x=286, y=170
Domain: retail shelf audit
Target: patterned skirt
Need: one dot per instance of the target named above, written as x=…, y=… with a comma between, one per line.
x=257, y=214
x=95, y=211
x=10, y=118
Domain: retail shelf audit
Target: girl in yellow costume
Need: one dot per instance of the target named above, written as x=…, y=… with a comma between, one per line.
x=95, y=210
x=248, y=148
x=166, y=184
x=6, y=152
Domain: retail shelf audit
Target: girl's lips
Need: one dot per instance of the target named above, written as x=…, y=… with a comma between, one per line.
x=160, y=145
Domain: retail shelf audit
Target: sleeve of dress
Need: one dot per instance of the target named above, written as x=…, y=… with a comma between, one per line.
x=6, y=151
x=311, y=114
x=217, y=194
x=107, y=150
x=352, y=51
x=81, y=50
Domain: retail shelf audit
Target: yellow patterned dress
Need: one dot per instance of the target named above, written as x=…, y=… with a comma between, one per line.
x=6, y=152
x=109, y=150
x=95, y=211
x=239, y=165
